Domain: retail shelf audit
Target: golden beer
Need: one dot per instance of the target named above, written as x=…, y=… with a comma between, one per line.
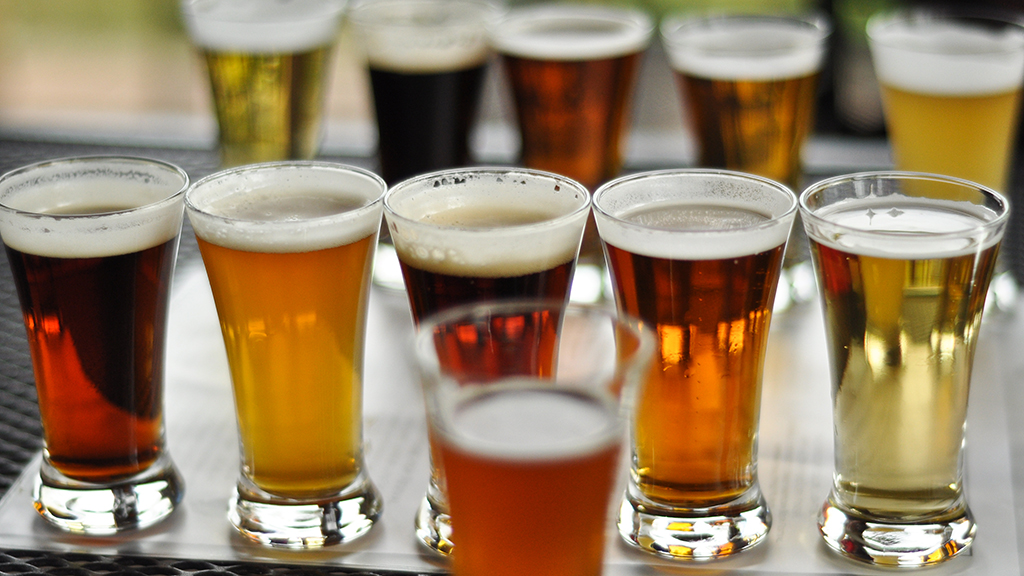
x=904, y=273
x=749, y=84
x=268, y=64
x=951, y=89
x=697, y=257
x=288, y=250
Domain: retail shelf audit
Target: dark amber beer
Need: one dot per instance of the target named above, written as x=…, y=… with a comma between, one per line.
x=530, y=459
x=482, y=234
x=426, y=60
x=697, y=255
x=92, y=244
x=288, y=248
x=572, y=69
x=268, y=64
x=904, y=272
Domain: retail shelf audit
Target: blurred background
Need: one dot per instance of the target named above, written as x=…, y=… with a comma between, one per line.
x=124, y=72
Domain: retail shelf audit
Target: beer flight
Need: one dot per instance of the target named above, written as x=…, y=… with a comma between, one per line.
x=526, y=393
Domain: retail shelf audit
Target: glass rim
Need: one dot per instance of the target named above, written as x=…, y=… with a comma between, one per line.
x=411, y=185
x=810, y=216
x=641, y=27
x=708, y=173
x=635, y=360
x=672, y=26
x=98, y=160
x=331, y=9
x=880, y=21
x=278, y=166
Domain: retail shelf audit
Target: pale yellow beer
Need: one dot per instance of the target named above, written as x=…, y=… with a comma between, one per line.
x=288, y=249
x=951, y=89
x=268, y=65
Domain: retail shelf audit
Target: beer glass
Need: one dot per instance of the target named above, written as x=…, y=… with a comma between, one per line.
x=572, y=70
x=427, y=60
x=482, y=234
x=268, y=62
x=749, y=86
x=288, y=249
x=903, y=262
x=696, y=254
x=92, y=242
x=530, y=459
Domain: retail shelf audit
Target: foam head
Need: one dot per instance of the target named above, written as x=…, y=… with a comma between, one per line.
x=424, y=36
x=286, y=207
x=951, y=56
x=262, y=26
x=694, y=214
x=741, y=47
x=495, y=222
x=572, y=32
x=91, y=207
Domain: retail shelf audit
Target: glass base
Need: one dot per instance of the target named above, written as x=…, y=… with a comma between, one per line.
x=895, y=545
x=694, y=533
x=297, y=524
x=433, y=527
x=104, y=509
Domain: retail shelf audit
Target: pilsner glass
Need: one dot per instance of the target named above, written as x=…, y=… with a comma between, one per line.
x=903, y=261
x=268, y=62
x=572, y=70
x=749, y=85
x=697, y=255
x=92, y=243
x=482, y=234
x=288, y=249
x=530, y=459
x=427, y=60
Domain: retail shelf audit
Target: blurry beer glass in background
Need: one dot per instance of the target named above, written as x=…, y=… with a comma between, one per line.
x=268, y=62
x=903, y=263
x=530, y=460
x=572, y=70
x=749, y=86
x=951, y=89
x=92, y=243
x=482, y=234
x=696, y=254
x=426, y=61
x=288, y=248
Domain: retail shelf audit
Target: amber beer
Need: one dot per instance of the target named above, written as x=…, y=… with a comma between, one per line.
x=92, y=243
x=904, y=274
x=697, y=255
x=530, y=459
x=749, y=84
x=288, y=249
x=426, y=60
x=952, y=90
x=572, y=69
x=268, y=64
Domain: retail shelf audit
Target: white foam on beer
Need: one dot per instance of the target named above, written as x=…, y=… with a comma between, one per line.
x=944, y=57
x=490, y=225
x=283, y=210
x=900, y=227
x=744, y=48
x=694, y=218
x=529, y=422
x=141, y=211
x=262, y=26
x=424, y=36
x=572, y=32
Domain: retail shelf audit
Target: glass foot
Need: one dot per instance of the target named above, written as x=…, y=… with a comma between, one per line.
x=296, y=524
x=694, y=534
x=433, y=527
x=895, y=545
x=104, y=509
